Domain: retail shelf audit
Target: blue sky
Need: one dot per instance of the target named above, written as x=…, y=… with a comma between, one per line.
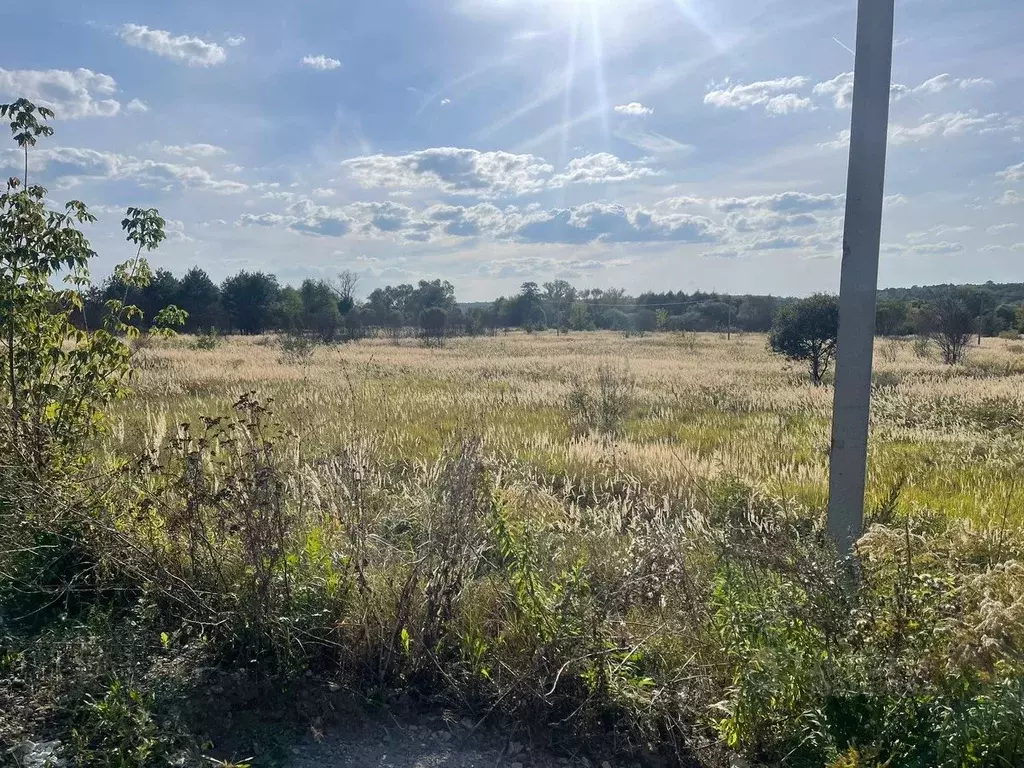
x=650, y=144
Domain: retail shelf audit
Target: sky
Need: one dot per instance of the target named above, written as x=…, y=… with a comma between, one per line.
x=640, y=144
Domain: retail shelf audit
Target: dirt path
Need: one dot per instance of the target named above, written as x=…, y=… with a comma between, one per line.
x=425, y=743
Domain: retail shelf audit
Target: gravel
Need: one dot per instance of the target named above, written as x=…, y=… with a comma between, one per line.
x=426, y=743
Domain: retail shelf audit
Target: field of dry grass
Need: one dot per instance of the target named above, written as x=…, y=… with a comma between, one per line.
x=610, y=544
x=693, y=408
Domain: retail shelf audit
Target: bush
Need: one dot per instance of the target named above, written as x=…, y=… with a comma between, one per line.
x=603, y=409
x=209, y=340
x=297, y=349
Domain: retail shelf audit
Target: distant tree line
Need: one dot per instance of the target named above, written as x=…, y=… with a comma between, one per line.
x=256, y=303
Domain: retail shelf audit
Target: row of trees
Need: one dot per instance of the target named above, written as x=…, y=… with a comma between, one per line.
x=255, y=303
x=807, y=330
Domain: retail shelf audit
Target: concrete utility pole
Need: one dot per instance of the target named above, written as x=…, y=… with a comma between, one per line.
x=859, y=282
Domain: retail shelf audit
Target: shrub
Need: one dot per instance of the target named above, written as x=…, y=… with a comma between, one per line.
x=206, y=341
x=117, y=731
x=604, y=408
x=297, y=348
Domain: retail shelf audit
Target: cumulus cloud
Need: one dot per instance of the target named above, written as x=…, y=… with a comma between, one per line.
x=787, y=103
x=70, y=94
x=487, y=174
x=814, y=245
x=784, y=202
x=1010, y=197
x=235, y=41
x=191, y=50
x=610, y=223
x=72, y=165
x=600, y=168
x=634, y=109
x=776, y=96
x=321, y=62
x=454, y=171
x=311, y=219
x=892, y=201
x=136, y=105
x=391, y=218
x=264, y=220
x=1013, y=173
x=470, y=221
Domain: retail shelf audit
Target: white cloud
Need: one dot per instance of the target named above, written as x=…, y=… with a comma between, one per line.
x=938, y=231
x=321, y=62
x=1002, y=227
x=841, y=141
x=72, y=165
x=445, y=102
x=70, y=94
x=935, y=249
x=264, y=220
x=784, y=202
x=192, y=50
x=454, y=171
x=650, y=142
x=323, y=192
x=194, y=150
x=136, y=105
x=609, y=223
x=1013, y=173
x=787, y=103
x=1011, y=197
x=775, y=95
x=840, y=88
x=945, y=81
x=311, y=219
x=1016, y=247
x=942, y=248
x=235, y=41
x=948, y=125
x=600, y=168
x=527, y=266
x=634, y=109
x=892, y=201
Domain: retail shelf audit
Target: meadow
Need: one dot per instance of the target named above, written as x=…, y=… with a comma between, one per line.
x=689, y=407
x=612, y=545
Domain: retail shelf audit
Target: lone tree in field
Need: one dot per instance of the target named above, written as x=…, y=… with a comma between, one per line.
x=806, y=330
x=950, y=324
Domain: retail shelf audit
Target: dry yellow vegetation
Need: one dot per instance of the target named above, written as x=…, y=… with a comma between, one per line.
x=695, y=407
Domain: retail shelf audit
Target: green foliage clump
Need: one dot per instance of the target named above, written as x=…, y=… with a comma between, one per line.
x=806, y=331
